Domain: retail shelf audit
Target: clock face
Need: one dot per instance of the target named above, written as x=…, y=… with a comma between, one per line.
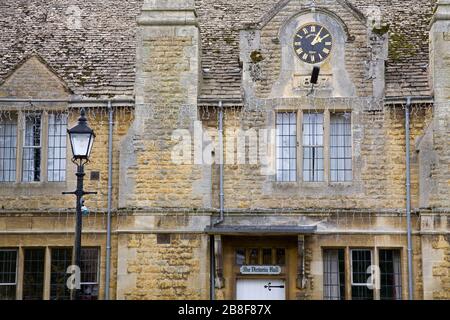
x=313, y=43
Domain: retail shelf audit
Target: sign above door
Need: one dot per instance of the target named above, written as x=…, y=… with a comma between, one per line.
x=263, y=270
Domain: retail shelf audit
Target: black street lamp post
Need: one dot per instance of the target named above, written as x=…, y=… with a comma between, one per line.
x=81, y=140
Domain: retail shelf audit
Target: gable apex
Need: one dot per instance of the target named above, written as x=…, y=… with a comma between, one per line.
x=31, y=78
x=310, y=6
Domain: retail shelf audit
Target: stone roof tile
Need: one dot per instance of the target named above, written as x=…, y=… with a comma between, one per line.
x=99, y=57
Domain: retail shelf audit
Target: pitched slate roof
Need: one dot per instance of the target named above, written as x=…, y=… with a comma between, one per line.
x=406, y=68
x=99, y=58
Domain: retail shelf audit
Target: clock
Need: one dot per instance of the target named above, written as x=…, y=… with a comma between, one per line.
x=313, y=43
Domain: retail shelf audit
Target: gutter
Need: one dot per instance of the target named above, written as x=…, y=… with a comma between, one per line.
x=69, y=101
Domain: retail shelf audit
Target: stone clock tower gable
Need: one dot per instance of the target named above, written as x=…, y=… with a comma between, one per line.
x=273, y=67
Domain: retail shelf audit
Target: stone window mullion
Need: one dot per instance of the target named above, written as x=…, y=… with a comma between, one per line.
x=19, y=154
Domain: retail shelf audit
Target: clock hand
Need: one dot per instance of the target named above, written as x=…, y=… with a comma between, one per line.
x=321, y=39
x=317, y=37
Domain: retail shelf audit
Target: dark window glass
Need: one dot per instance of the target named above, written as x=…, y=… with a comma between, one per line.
x=163, y=238
x=361, y=261
x=254, y=257
x=61, y=260
x=33, y=274
x=281, y=257
x=240, y=257
x=334, y=274
x=390, y=275
x=8, y=276
x=89, y=273
x=267, y=256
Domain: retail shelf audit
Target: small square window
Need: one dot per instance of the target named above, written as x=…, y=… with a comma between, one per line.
x=95, y=175
x=240, y=257
x=163, y=238
x=267, y=256
x=280, y=257
x=254, y=257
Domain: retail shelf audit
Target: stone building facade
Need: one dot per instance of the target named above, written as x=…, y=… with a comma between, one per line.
x=232, y=175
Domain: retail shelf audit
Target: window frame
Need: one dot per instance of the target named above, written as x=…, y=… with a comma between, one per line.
x=351, y=265
x=20, y=120
x=48, y=147
x=400, y=275
x=327, y=113
x=323, y=146
x=24, y=146
x=98, y=267
x=297, y=143
x=260, y=251
x=16, y=272
x=344, y=272
x=17, y=267
x=14, y=149
x=337, y=181
x=44, y=257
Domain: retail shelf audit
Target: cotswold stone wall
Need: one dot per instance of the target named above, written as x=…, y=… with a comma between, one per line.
x=441, y=269
x=379, y=162
x=34, y=79
x=172, y=268
x=47, y=195
x=167, y=79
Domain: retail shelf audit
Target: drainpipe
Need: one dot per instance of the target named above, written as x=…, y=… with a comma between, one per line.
x=110, y=176
x=212, y=270
x=221, y=163
x=221, y=216
x=408, y=197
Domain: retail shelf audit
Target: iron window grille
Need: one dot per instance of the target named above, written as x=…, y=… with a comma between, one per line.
x=360, y=264
x=390, y=275
x=8, y=150
x=8, y=274
x=258, y=256
x=90, y=273
x=340, y=147
x=286, y=128
x=61, y=259
x=313, y=147
x=33, y=274
x=334, y=274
